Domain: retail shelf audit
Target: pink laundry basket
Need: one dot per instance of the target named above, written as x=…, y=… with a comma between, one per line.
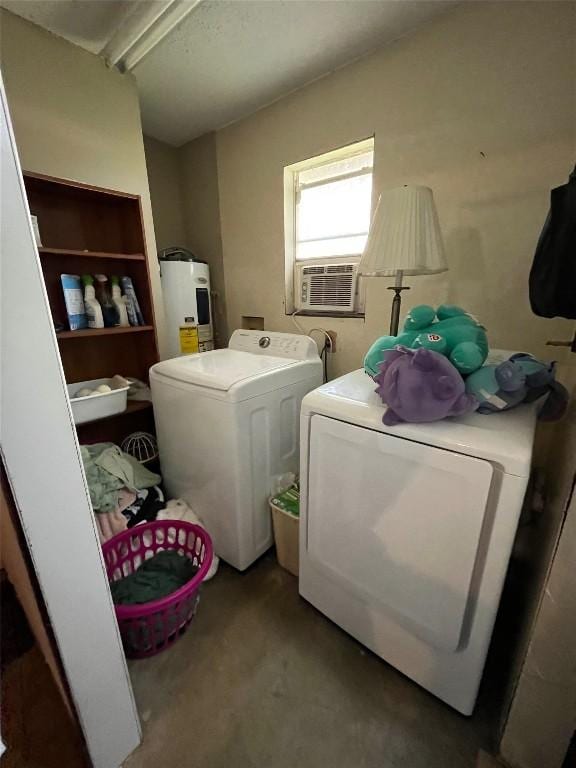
x=149, y=628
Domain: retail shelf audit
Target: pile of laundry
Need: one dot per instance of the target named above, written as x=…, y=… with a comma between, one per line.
x=124, y=493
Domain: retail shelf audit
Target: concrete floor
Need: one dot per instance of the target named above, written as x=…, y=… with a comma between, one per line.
x=262, y=680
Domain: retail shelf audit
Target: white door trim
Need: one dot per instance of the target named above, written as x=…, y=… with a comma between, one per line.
x=41, y=454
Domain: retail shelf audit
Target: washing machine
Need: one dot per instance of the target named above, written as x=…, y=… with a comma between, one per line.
x=227, y=423
x=406, y=531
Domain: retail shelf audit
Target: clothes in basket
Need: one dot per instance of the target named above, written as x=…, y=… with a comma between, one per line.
x=158, y=577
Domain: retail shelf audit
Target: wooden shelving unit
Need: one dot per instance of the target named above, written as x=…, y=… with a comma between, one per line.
x=86, y=229
x=87, y=332
x=91, y=254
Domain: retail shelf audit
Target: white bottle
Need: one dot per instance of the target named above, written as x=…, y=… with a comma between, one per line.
x=119, y=301
x=91, y=303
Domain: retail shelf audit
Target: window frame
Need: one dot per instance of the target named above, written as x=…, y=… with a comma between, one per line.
x=291, y=188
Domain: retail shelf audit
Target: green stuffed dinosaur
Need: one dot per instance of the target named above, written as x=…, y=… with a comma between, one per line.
x=448, y=330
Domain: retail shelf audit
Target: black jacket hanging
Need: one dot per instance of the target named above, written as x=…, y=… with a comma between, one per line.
x=553, y=274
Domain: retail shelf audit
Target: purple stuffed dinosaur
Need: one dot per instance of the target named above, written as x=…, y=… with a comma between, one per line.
x=419, y=385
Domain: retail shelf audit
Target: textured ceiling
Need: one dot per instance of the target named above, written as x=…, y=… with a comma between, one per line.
x=229, y=58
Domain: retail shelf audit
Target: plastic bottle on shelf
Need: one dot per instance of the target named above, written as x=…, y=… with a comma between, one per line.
x=91, y=303
x=109, y=311
x=119, y=301
x=134, y=312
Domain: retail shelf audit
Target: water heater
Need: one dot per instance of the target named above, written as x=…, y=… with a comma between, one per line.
x=187, y=303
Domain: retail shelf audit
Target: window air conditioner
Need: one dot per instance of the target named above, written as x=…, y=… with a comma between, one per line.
x=326, y=287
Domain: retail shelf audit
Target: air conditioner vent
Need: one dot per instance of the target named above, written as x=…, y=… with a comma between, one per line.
x=339, y=268
x=331, y=289
x=326, y=287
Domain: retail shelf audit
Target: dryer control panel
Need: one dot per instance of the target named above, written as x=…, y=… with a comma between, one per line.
x=290, y=345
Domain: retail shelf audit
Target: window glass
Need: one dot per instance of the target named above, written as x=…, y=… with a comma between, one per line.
x=333, y=204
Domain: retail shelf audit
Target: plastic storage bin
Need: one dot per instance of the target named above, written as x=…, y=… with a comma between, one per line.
x=285, y=519
x=100, y=404
x=149, y=628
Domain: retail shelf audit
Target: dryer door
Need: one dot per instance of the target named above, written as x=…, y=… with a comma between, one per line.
x=398, y=523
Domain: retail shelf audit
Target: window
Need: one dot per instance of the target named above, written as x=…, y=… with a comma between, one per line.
x=327, y=209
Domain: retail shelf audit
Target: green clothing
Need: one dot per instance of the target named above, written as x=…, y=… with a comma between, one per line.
x=157, y=577
x=108, y=469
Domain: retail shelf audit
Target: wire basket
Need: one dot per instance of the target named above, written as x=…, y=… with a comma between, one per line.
x=152, y=627
x=142, y=446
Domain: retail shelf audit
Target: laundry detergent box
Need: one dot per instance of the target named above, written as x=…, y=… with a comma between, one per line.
x=74, y=300
x=288, y=501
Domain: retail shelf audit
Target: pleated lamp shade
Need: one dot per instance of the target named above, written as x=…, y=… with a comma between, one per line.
x=404, y=235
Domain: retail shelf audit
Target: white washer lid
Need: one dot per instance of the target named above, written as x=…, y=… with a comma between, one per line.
x=220, y=368
x=505, y=438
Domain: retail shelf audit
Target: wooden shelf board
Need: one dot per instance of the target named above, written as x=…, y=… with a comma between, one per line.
x=92, y=254
x=133, y=406
x=86, y=332
x=138, y=405
x=77, y=186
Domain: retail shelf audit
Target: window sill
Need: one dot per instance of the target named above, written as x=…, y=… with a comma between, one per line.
x=317, y=313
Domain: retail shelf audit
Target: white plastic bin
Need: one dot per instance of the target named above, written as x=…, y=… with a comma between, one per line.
x=100, y=404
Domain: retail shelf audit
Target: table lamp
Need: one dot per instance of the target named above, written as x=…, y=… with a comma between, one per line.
x=404, y=239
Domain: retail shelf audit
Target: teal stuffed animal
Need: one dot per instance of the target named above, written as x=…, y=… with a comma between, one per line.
x=448, y=330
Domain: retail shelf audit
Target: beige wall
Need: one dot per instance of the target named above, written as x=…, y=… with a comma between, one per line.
x=162, y=162
x=200, y=197
x=75, y=118
x=480, y=105
x=186, y=209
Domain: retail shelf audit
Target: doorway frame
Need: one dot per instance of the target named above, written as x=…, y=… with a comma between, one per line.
x=41, y=455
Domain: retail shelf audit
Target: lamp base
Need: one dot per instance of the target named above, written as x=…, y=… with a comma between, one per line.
x=396, y=302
